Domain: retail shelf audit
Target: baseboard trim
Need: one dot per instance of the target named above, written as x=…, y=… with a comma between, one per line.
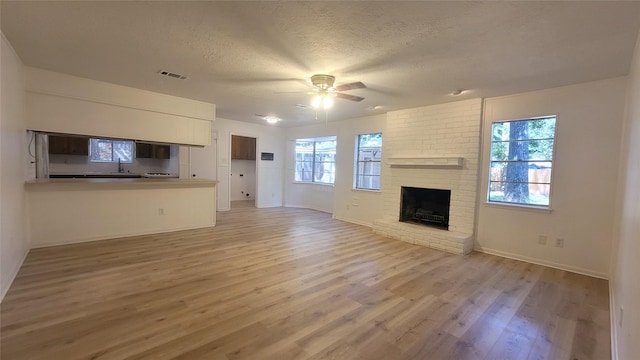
x=117, y=236
x=614, y=322
x=551, y=264
x=306, y=207
x=14, y=273
x=268, y=206
x=353, y=221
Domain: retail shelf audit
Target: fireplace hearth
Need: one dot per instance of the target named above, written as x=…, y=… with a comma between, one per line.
x=429, y=207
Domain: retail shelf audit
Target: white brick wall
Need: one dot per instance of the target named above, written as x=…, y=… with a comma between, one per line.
x=451, y=129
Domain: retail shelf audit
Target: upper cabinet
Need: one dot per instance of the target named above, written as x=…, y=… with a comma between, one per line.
x=243, y=148
x=68, y=145
x=60, y=103
x=152, y=151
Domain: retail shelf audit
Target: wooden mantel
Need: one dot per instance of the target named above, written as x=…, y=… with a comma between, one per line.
x=426, y=161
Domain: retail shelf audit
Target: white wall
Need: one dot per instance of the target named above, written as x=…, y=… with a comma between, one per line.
x=585, y=167
x=14, y=243
x=269, y=173
x=243, y=180
x=312, y=196
x=342, y=200
x=625, y=287
x=356, y=206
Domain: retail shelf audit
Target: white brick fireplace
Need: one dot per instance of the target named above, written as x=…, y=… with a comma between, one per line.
x=432, y=147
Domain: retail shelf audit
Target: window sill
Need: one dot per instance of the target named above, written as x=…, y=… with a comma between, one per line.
x=367, y=190
x=312, y=183
x=529, y=208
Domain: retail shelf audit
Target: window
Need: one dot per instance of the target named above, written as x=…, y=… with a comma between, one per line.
x=521, y=161
x=368, y=157
x=316, y=160
x=102, y=150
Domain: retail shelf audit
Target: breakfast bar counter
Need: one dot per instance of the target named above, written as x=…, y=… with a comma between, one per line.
x=65, y=211
x=118, y=182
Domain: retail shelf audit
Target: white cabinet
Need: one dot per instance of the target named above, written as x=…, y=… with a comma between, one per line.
x=67, y=104
x=203, y=161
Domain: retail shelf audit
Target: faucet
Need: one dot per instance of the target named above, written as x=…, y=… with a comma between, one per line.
x=120, y=167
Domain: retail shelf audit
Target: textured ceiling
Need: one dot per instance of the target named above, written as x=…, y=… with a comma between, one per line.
x=256, y=57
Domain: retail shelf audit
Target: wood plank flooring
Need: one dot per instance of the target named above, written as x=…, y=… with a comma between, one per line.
x=294, y=284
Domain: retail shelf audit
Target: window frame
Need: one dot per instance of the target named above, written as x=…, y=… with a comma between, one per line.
x=515, y=205
x=313, y=161
x=357, y=161
x=131, y=143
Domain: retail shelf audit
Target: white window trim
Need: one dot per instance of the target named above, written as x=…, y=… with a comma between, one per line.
x=522, y=207
x=367, y=190
x=133, y=152
x=355, y=167
x=318, y=139
x=517, y=206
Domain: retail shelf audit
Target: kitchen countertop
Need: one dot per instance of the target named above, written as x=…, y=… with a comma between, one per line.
x=85, y=183
x=94, y=175
x=64, y=175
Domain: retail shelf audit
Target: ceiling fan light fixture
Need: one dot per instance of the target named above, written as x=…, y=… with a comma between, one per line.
x=324, y=91
x=323, y=100
x=327, y=102
x=323, y=82
x=316, y=101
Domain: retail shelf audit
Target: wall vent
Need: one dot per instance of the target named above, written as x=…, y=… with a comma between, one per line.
x=172, y=74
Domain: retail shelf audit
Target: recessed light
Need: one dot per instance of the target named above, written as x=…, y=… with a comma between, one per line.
x=374, y=107
x=457, y=92
x=272, y=119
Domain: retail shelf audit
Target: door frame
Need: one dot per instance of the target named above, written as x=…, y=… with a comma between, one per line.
x=229, y=149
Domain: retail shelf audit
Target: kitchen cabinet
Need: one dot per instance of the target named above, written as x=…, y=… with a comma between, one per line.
x=68, y=145
x=243, y=148
x=161, y=151
x=152, y=151
x=64, y=104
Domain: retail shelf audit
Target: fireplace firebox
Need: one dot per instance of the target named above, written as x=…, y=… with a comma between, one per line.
x=428, y=207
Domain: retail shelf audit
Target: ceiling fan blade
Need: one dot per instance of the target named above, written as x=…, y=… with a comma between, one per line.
x=349, y=97
x=351, y=86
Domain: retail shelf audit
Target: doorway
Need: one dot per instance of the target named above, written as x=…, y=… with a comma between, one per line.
x=243, y=171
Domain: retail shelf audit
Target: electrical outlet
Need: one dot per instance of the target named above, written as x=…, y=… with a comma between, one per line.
x=160, y=211
x=560, y=242
x=542, y=239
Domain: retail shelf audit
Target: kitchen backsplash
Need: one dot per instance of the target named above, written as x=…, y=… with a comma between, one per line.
x=82, y=164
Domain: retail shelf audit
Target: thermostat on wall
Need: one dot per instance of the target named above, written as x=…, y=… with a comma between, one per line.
x=266, y=156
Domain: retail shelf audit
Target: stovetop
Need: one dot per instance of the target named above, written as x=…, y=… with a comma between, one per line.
x=159, y=175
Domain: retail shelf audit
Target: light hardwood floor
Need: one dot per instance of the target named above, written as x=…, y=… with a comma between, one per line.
x=294, y=284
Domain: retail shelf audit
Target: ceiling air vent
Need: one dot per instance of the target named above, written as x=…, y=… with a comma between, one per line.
x=172, y=74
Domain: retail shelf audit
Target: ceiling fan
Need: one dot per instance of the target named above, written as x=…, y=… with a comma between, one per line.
x=324, y=90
